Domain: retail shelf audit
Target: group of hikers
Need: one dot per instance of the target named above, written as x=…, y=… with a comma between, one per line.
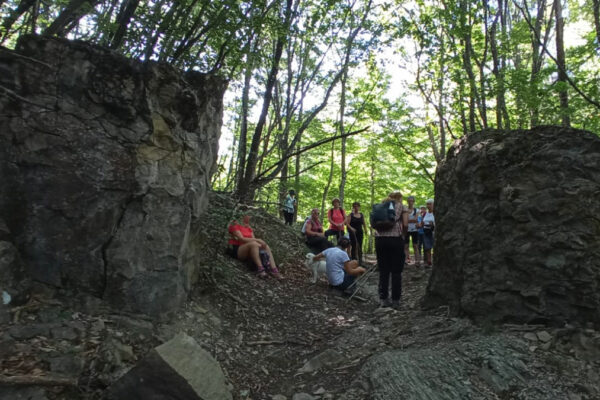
x=396, y=227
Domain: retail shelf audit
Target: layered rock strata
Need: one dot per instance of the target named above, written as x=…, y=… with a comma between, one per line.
x=517, y=227
x=105, y=166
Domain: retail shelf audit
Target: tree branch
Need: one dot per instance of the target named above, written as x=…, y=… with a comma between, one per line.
x=560, y=68
x=306, y=148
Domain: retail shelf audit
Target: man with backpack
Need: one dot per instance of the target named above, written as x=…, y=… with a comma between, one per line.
x=390, y=220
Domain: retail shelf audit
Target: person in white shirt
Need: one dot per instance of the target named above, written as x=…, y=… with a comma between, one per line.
x=428, y=227
x=341, y=270
x=289, y=207
x=412, y=234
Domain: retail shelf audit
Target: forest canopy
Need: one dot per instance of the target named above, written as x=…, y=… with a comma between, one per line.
x=352, y=98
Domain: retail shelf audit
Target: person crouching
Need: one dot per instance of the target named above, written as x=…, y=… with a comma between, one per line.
x=341, y=270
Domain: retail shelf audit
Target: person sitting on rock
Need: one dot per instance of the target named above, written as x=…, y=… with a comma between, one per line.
x=341, y=270
x=245, y=246
x=315, y=238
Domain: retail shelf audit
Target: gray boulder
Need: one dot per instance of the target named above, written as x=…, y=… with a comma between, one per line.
x=517, y=228
x=178, y=369
x=108, y=163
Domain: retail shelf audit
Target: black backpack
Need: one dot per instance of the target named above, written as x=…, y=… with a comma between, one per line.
x=383, y=216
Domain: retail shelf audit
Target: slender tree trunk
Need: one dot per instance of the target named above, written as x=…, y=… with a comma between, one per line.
x=34, y=15
x=496, y=69
x=343, y=172
x=149, y=49
x=440, y=108
x=596, y=6
x=461, y=106
x=243, y=142
x=562, y=68
x=372, y=199
x=536, y=63
x=71, y=14
x=14, y=15
x=245, y=190
x=125, y=13
x=328, y=185
x=503, y=6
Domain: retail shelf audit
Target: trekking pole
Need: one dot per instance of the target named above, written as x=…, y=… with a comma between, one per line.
x=362, y=280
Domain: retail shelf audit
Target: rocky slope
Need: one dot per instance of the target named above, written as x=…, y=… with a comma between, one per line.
x=295, y=340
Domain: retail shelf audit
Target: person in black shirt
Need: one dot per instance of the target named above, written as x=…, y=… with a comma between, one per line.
x=356, y=222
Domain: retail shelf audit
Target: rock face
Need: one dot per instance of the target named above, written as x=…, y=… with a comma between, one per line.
x=482, y=367
x=105, y=165
x=517, y=227
x=178, y=369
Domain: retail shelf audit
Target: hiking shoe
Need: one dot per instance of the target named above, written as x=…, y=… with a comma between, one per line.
x=261, y=273
x=276, y=274
x=395, y=304
x=385, y=303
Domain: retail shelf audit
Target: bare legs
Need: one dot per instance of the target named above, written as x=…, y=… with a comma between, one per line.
x=250, y=251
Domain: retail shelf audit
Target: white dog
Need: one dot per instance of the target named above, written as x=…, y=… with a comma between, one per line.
x=315, y=266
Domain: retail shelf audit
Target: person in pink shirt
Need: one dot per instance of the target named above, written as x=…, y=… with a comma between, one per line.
x=337, y=220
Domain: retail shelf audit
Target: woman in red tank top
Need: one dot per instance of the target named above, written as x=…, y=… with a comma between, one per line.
x=247, y=247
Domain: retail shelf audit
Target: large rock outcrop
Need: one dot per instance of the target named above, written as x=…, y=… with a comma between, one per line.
x=105, y=165
x=517, y=227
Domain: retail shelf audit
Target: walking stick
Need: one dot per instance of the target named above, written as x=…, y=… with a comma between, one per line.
x=362, y=280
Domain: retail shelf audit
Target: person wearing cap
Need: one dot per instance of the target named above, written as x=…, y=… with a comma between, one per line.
x=412, y=234
x=428, y=227
x=289, y=207
x=337, y=219
x=341, y=270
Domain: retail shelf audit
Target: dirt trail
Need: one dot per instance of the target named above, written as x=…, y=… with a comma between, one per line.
x=268, y=329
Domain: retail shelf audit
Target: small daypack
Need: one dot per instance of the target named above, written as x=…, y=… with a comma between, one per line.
x=303, y=230
x=265, y=259
x=383, y=216
x=330, y=213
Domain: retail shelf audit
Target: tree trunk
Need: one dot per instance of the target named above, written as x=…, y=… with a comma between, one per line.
x=596, y=6
x=343, y=172
x=537, y=57
x=125, y=13
x=70, y=15
x=14, y=15
x=503, y=8
x=245, y=191
x=372, y=198
x=562, y=69
x=328, y=185
x=440, y=108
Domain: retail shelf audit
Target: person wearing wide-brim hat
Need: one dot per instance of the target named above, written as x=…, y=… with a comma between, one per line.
x=289, y=207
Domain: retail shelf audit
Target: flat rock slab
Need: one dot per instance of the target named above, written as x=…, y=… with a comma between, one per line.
x=327, y=358
x=482, y=367
x=178, y=369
